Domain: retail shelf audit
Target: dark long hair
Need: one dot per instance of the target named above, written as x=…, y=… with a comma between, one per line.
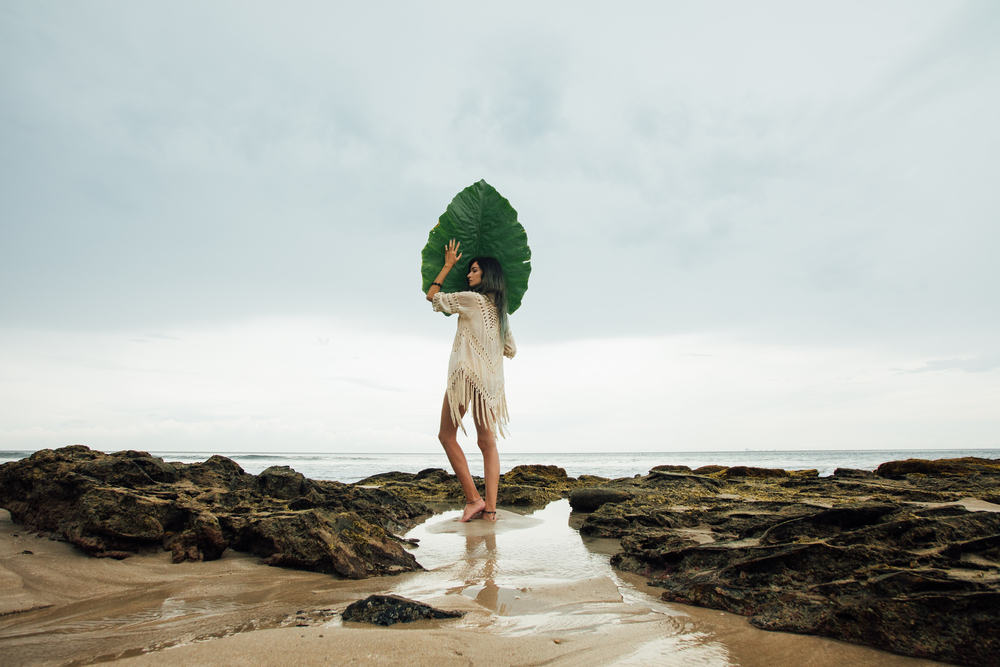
x=494, y=286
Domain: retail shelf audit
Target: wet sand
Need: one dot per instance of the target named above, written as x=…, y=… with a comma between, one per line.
x=535, y=593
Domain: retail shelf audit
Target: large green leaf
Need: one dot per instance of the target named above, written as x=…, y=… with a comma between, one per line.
x=486, y=225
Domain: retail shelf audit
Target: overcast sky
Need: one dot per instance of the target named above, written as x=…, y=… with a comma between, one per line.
x=768, y=225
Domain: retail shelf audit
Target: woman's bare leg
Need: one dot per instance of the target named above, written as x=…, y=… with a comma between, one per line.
x=448, y=435
x=491, y=466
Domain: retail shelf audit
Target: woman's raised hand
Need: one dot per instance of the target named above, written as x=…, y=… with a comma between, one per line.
x=451, y=254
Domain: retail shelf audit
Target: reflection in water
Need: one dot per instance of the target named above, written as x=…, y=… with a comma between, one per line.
x=93, y=618
x=516, y=551
x=480, y=556
x=536, y=575
x=690, y=650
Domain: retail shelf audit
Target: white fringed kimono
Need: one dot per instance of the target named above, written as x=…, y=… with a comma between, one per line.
x=475, y=370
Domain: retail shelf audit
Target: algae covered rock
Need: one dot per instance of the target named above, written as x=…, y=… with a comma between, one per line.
x=749, y=471
x=392, y=609
x=592, y=498
x=918, y=581
x=341, y=544
x=888, y=559
x=968, y=465
x=523, y=485
x=115, y=505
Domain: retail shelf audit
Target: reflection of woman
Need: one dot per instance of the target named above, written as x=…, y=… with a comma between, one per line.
x=475, y=373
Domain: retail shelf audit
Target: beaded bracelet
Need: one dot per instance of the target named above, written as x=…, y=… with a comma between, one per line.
x=438, y=284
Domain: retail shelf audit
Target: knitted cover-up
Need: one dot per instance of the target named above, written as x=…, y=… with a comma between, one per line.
x=475, y=369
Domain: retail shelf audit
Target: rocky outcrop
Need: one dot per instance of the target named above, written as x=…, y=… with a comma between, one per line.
x=876, y=559
x=969, y=465
x=114, y=505
x=922, y=583
x=392, y=609
x=592, y=498
x=526, y=485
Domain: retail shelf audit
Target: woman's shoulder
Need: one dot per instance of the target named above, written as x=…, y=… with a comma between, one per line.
x=472, y=296
x=467, y=301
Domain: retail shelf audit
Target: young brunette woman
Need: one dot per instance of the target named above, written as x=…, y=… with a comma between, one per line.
x=475, y=373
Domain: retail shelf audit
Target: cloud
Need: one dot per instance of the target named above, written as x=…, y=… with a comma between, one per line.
x=979, y=364
x=797, y=172
x=365, y=382
x=789, y=175
x=266, y=386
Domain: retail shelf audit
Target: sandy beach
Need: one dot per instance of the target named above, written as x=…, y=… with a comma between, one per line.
x=534, y=592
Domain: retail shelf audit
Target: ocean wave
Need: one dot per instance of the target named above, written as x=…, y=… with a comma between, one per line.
x=15, y=455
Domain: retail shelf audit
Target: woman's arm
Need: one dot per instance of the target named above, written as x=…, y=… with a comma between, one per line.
x=451, y=256
x=509, y=347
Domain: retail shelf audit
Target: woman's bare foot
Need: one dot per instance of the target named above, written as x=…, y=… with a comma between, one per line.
x=473, y=509
x=489, y=516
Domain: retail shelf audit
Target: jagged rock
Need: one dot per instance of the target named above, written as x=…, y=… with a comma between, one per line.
x=853, y=473
x=282, y=482
x=538, y=475
x=525, y=496
x=434, y=475
x=128, y=469
x=342, y=544
x=748, y=471
x=201, y=540
x=660, y=479
x=115, y=505
x=216, y=472
x=884, y=574
x=122, y=517
x=964, y=466
x=396, y=476
x=724, y=519
x=526, y=485
x=592, y=498
x=670, y=468
x=392, y=609
x=849, y=556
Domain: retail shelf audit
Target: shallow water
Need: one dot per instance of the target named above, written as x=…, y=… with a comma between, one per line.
x=536, y=575
x=519, y=550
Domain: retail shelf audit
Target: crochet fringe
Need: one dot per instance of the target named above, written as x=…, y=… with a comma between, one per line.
x=462, y=391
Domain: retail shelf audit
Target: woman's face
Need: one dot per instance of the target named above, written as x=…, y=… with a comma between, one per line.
x=475, y=274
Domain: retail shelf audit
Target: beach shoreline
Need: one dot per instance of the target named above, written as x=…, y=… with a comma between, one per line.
x=145, y=610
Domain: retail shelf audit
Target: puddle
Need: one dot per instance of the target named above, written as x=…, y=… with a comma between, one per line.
x=520, y=550
x=535, y=575
x=693, y=650
x=971, y=504
x=170, y=610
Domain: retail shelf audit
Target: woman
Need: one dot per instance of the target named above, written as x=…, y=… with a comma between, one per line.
x=475, y=373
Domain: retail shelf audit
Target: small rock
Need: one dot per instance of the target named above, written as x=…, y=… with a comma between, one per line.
x=853, y=473
x=392, y=609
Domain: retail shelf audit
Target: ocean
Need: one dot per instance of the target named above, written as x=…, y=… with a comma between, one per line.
x=352, y=467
